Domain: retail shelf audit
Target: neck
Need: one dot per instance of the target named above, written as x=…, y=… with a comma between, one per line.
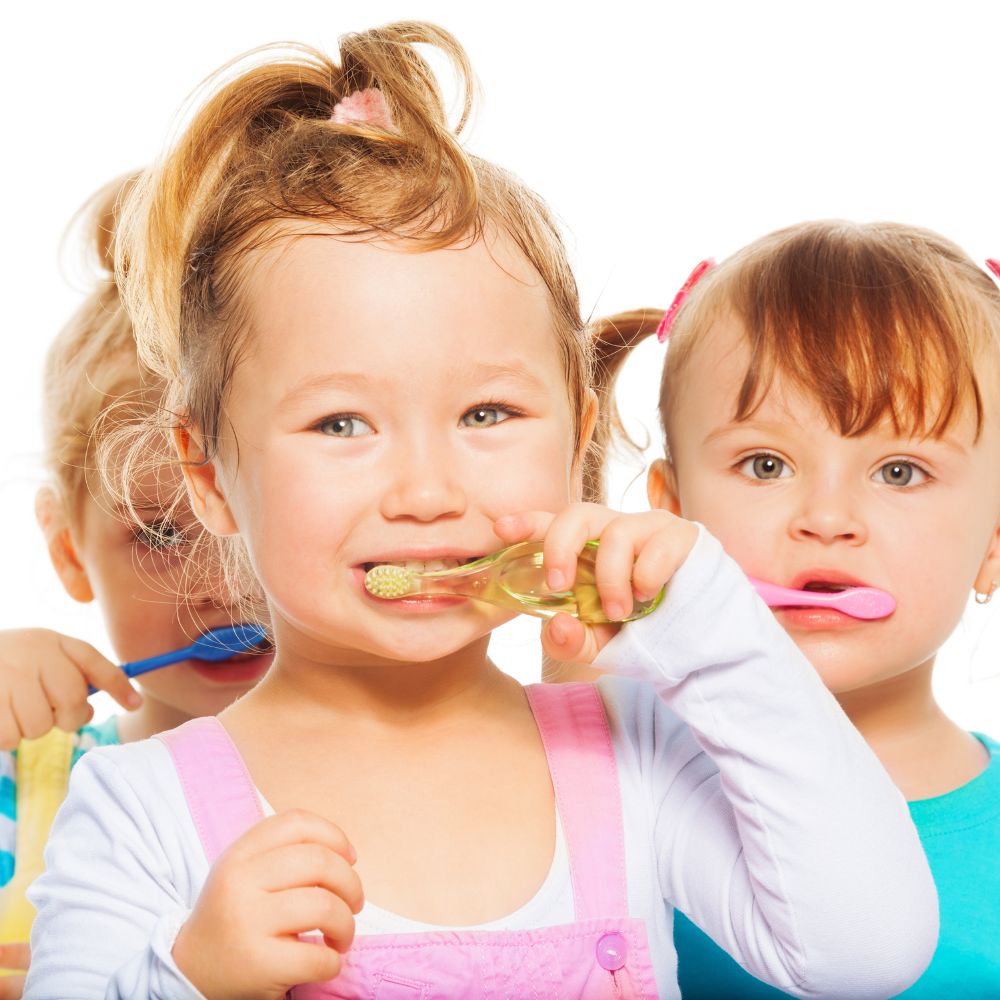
x=925, y=753
x=377, y=693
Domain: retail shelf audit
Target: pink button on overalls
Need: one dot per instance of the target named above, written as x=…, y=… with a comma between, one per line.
x=603, y=954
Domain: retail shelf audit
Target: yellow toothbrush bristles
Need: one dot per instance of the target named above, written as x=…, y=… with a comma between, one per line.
x=389, y=581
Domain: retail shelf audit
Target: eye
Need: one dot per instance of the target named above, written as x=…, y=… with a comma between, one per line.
x=900, y=474
x=161, y=536
x=485, y=416
x=764, y=466
x=344, y=425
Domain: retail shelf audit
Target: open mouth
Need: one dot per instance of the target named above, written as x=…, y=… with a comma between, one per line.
x=824, y=587
x=262, y=648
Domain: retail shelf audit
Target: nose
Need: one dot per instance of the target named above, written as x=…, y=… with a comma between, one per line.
x=829, y=514
x=425, y=483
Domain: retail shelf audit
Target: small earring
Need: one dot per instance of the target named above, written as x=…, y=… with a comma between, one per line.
x=988, y=596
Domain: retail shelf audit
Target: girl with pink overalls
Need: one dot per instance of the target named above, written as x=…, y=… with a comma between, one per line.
x=374, y=354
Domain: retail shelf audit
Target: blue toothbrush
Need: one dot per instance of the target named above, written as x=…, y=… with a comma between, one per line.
x=214, y=645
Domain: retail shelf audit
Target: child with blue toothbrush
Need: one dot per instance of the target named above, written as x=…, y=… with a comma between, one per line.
x=831, y=411
x=135, y=573
x=374, y=345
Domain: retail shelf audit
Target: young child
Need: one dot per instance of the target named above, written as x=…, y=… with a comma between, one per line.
x=831, y=411
x=133, y=570
x=373, y=344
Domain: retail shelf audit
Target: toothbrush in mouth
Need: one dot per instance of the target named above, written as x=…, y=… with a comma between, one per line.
x=514, y=578
x=865, y=603
x=213, y=646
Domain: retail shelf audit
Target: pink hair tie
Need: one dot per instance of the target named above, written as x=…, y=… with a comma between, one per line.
x=363, y=107
x=663, y=330
x=994, y=266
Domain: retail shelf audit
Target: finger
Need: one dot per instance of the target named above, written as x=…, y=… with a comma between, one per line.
x=293, y=826
x=568, y=532
x=15, y=955
x=307, y=960
x=512, y=528
x=12, y=987
x=298, y=865
x=101, y=673
x=620, y=541
x=65, y=689
x=10, y=733
x=661, y=557
x=308, y=908
x=623, y=541
x=32, y=711
x=570, y=641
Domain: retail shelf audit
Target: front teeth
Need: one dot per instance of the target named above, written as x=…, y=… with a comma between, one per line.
x=422, y=565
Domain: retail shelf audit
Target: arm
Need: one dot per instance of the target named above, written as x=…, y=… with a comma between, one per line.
x=129, y=908
x=113, y=895
x=777, y=830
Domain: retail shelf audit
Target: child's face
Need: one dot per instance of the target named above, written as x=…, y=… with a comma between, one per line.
x=135, y=575
x=392, y=404
x=796, y=503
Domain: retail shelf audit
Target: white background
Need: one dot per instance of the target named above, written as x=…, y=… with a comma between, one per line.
x=660, y=134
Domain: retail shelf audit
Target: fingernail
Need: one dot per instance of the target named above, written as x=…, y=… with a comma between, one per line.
x=555, y=580
x=353, y=853
x=615, y=611
x=134, y=700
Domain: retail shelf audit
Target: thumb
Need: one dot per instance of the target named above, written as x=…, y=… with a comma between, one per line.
x=567, y=639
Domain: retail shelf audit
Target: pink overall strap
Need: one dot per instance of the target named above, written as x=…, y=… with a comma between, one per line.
x=220, y=793
x=574, y=730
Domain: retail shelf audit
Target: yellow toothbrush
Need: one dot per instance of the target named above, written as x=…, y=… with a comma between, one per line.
x=511, y=578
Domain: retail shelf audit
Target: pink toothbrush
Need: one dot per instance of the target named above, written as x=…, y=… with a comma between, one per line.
x=858, y=602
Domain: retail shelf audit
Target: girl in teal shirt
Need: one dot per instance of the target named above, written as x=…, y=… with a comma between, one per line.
x=830, y=402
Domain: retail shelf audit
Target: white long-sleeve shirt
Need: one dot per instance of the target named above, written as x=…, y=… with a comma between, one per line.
x=749, y=802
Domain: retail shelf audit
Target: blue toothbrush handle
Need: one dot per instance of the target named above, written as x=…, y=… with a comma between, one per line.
x=137, y=667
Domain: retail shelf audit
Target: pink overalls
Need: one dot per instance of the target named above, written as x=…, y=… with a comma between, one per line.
x=603, y=954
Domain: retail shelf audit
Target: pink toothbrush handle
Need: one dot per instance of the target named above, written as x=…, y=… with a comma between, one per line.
x=858, y=602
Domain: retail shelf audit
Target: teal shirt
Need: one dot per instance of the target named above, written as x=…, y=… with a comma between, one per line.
x=99, y=735
x=960, y=833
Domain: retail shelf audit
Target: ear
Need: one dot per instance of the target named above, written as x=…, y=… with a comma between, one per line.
x=53, y=519
x=200, y=476
x=988, y=577
x=661, y=487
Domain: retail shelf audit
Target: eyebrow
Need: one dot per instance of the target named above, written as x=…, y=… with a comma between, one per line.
x=773, y=427
x=478, y=372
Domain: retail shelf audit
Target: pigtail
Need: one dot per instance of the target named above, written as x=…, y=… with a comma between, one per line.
x=612, y=340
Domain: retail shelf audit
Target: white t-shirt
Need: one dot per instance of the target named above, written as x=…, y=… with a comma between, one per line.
x=749, y=802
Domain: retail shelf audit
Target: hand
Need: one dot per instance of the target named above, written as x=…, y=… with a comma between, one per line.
x=638, y=554
x=43, y=683
x=13, y=956
x=289, y=874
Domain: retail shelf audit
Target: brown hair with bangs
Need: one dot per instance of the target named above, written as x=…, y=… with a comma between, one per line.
x=877, y=322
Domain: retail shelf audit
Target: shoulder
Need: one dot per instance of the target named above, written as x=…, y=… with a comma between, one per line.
x=138, y=778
